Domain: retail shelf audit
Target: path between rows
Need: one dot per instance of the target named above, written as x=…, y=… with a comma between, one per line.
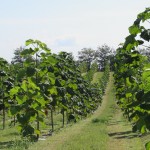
x=118, y=130
x=120, y=134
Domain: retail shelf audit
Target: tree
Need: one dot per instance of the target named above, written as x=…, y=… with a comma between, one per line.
x=102, y=55
x=112, y=60
x=82, y=66
x=87, y=55
x=18, y=59
x=145, y=52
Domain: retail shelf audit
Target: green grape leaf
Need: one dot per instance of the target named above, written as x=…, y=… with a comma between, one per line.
x=27, y=52
x=53, y=91
x=24, y=85
x=28, y=42
x=137, y=21
x=58, y=82
x=143, y=129
x=140, y=42
x=14, y=90
x=146, y=35
x=30, y=71
x=147, y=146
x=14, y=110
x=3, y=73
x=73, y=86
x=134, y=30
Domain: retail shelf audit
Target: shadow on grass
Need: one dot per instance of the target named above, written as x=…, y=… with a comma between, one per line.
x=12, y=134
x=16, y=144
x=123, y=135
x=114, y=122
x=102, y=120
x=7, y=144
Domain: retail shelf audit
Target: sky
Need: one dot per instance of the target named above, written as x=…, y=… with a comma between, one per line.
x=66, y=25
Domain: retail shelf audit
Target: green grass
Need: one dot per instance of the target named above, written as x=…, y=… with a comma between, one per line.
x=94, y=135
x=97, y=77
x=83, y=74
x=8, y=137
x=120, y=133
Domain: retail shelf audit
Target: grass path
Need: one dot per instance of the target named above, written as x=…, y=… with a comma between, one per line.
x=88, y=134
x=120, y=134
x=106, y=129
x=97, y=77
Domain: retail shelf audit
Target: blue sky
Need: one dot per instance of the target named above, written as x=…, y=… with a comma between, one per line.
x=68, y=25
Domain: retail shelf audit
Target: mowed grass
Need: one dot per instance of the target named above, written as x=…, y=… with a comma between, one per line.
x=120, y=133
x=83, y=74
x=9, y=135
x=11, y=140
x=97, y=76
x=88, y=134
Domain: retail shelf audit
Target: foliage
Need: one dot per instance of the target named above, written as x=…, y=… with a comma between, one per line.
x=87, y=55
x=103, y=54
x=38, y=81
x=145, y=52
x=6, y=83
x=82, y=66
x=91, y=72
x=104, y=79
x=18, y=58
x=129, y=67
